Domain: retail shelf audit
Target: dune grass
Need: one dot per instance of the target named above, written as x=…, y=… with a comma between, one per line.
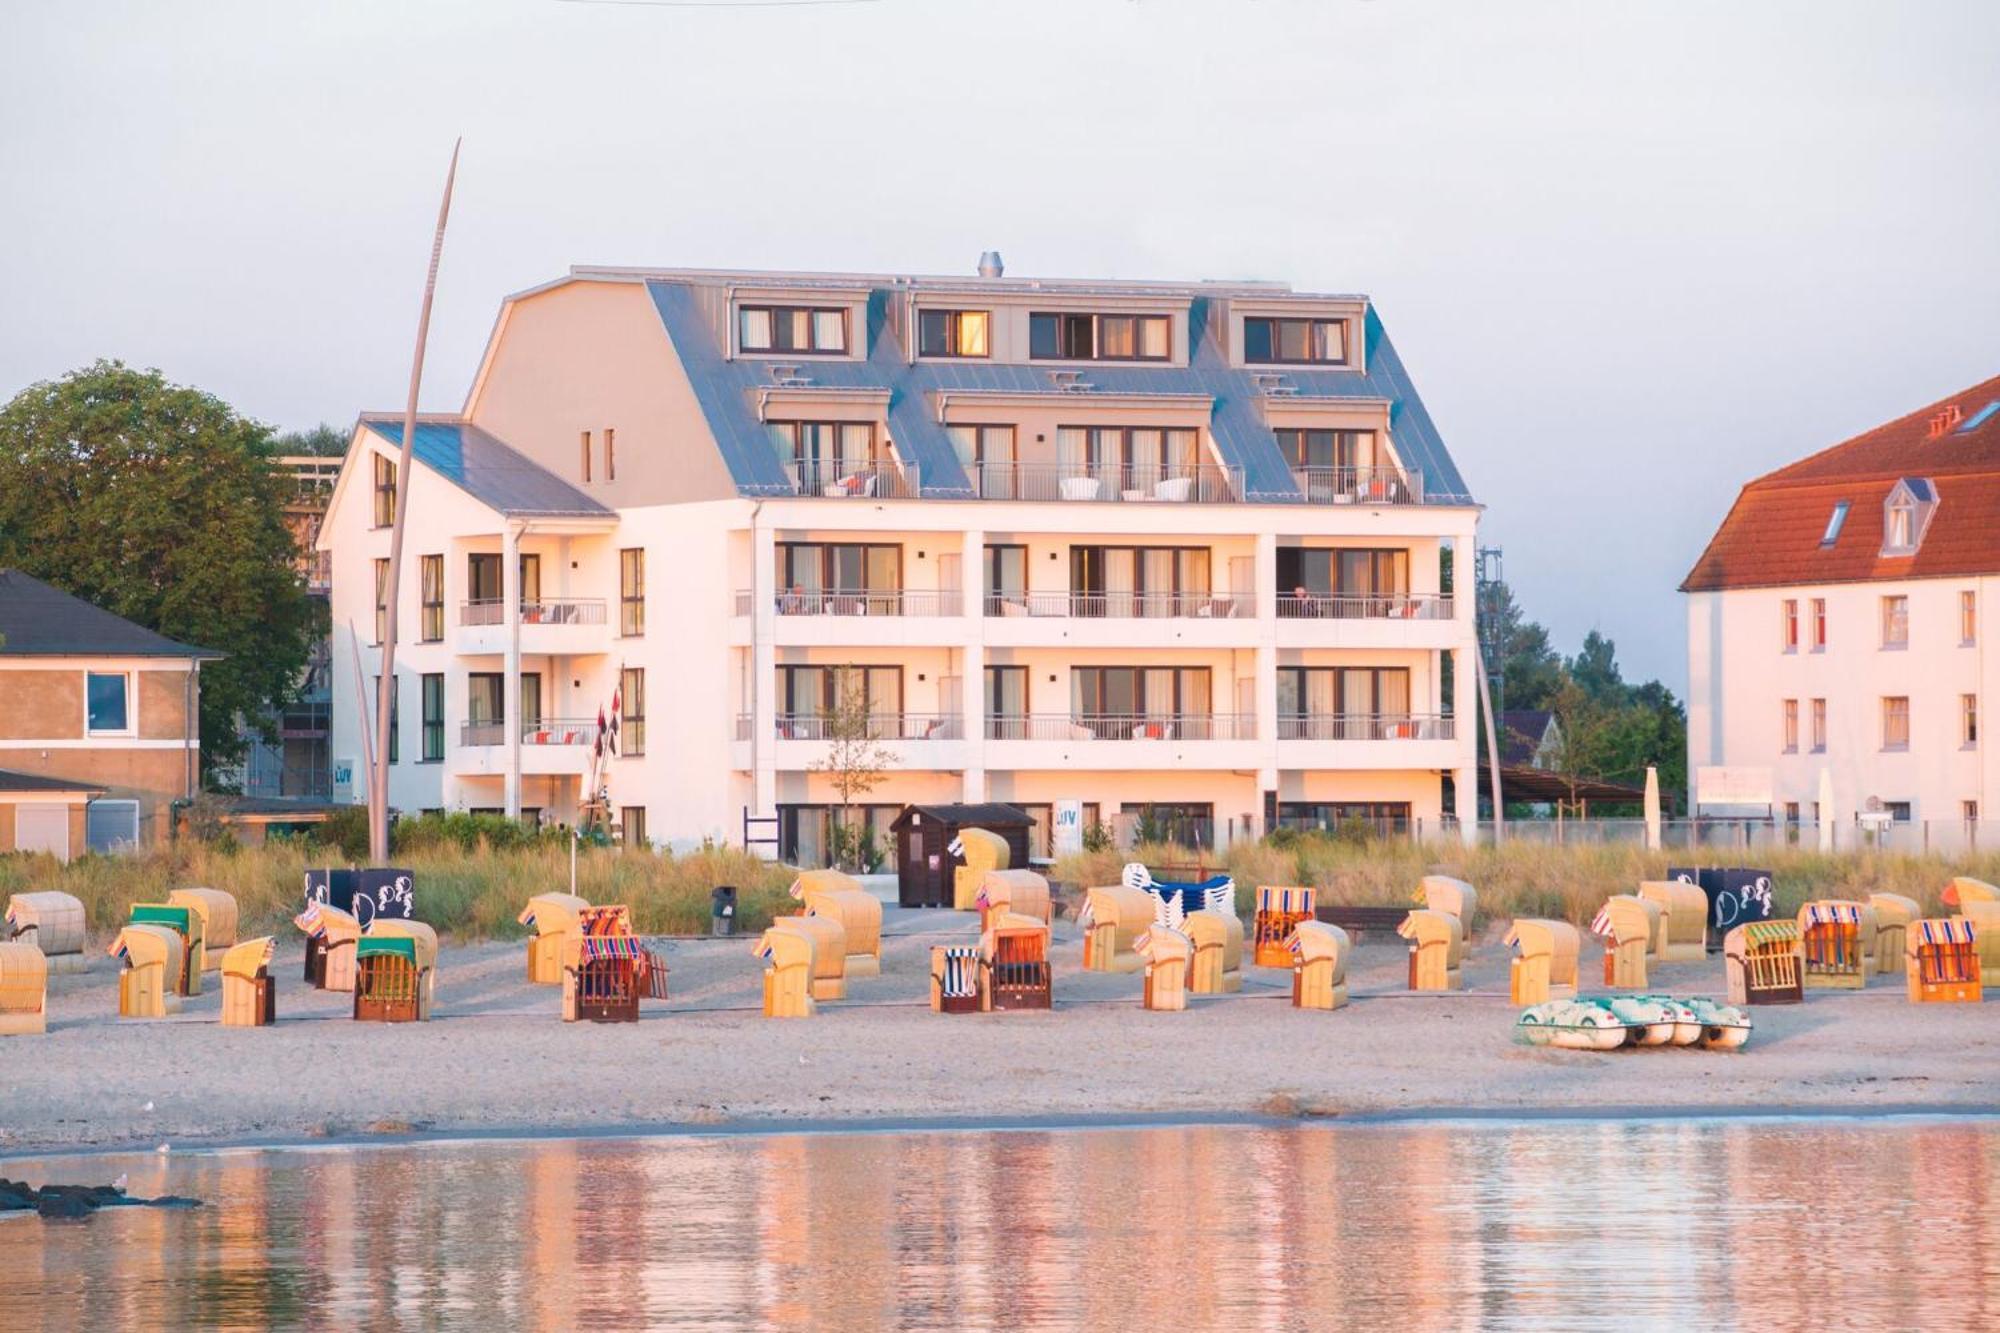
x=466, y=894
x=1519, y=879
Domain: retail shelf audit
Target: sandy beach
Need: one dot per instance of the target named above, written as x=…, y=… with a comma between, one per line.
x=497, y=1058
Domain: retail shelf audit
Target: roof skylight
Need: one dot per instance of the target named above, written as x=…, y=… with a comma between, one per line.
x=1834, y=524
x=1980, y=418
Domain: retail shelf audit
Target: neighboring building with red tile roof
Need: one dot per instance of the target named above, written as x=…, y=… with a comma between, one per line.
x=1836, y=623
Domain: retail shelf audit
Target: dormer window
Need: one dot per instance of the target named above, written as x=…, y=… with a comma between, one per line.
x=1834, y=524
x=785, y=328
x=1080, y=337
x=1272, y=341
x=952, y=333
x=1906, y=512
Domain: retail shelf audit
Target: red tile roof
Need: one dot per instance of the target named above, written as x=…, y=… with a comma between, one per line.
x=1771, y=537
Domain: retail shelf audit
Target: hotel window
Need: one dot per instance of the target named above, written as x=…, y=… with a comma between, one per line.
x=782, y=328
x=1819, y=624
x=1834, y=523
x=822, y=455
x=1332, y=462
x=381, y=600
x=385, y=492
x=632, y=711
x=1791, y=624
x=1295, y=341
x=632, y=591
x=1791, y=726
x=1138, y=580
x=1969, y=811
x=952, y=333
x=839, y=578
x=1900, y=528
x=1791, y=812
x=1006, y=703
x=1075, y=337
x=1896, y=722
x=1819, y=726
x=583, y=456
x=1364, y=574
x=987, y=455
x=1006, y=580
x=1968, y=721
x=1127, y=458
x=1895, y=622
x=1119, y=703
x=431, y=622
x=632, y=823
x=610, y=457
x=1899, y=811
x=107, y=703
x=1343, y=703
x=807, y=694
x=432, y=686
x=1968, y=619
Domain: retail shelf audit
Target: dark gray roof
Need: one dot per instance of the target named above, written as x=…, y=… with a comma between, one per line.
x=39, y=621
x=18, y=782
x=987, y=815
x=726, y=388
x=491, y=472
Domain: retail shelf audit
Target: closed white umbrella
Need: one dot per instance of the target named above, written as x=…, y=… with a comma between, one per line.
x=1652, y=808
x=1826, y=810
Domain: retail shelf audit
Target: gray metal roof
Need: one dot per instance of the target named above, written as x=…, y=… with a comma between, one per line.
x=37, y=620
x=35, y=782
x=478, y=463
x=725, y=390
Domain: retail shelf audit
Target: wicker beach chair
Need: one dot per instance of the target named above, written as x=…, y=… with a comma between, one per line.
x=185, y=922
x=1166, y=953
x=788, y=970
x=1319, y=955
x=1453, y=897
x=1280, y=910
x=1437, y=949
x=153, y=956
x=1014, y=971
x=1761, y=963
x=1893, y=915
x=249, y=996
x=1217, y=965
x=981, y=850
x=1112, y=919
x=1836, y=943
x=1628, y=925
x=553, y=918
x=395, y=972
x=217, y=911
x=1683, y=926
x=955, y=978
x=331, y=936
x=53, y=922
x=24, y=990
x=1942, y=965
x=1545, y=966
x=1016, y=893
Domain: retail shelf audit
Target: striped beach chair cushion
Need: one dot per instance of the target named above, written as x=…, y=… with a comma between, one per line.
x=961, y=972
x=1832, y=914
x=1271, y=898
x=1945, y=930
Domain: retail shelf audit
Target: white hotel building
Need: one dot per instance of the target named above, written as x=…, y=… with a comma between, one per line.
x=1837, y=625
x=1174, y=551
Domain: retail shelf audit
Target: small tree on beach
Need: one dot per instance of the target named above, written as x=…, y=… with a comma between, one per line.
x=854, y=761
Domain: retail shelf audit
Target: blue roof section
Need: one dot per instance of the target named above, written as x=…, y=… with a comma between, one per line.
x=492, y=473
x=726, y=392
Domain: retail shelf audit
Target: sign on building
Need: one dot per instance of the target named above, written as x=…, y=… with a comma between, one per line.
x=1066, y=835
x=1715, y=784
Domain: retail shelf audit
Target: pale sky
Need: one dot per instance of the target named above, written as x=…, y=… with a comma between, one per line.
x=1633, y=253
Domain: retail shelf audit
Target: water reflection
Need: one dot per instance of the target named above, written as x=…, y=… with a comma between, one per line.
x=1543, y=1226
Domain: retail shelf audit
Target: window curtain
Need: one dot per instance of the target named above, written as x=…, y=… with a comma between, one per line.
x=756, y=330
x=829, y=330
x=1121, y=580
x=1158, y=569
x=1146, y=458
x=1069, y=451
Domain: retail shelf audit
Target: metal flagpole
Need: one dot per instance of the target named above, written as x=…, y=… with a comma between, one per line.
x=385, y=685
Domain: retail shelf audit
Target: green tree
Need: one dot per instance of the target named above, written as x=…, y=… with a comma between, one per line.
x=1595, y=668
x=159, y=503
x=1529, y=668
x=322, y=441
x=854, y=762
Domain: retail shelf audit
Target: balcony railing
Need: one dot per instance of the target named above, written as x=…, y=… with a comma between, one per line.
x=857, y=602
x=1365, y=727
x=887, y=480
x=1360, y=485
x=561, y=611
x=881, y=727
x=1204, y=483
x=1363, y=606
x=1121, y=727
x=1125, y=605
x=534, y=731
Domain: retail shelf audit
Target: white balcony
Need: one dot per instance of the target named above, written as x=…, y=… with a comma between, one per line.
x=562, y=627
x=1379, y=620
x=1122, y=742
x=907, y=741
x=1367, y=741
x=548, y=746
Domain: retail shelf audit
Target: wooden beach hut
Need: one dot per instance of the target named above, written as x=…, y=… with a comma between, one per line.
x=1014, y=893
x=1943, y=961
x=217, y=910
x=249, y=996
x=1319, y=955
x=552, y=919
x=1627, y=925
x=1113, y=918
x=1280, y=909
x=1683, y=926
x=1437, y=949
x=331, y=936
x=52, y=922
x=24, y=990
x=1760, y=963
x=1893, y=914
x=395, y=972
x=1217, y=965
x=153, y=956
x=1836, y=943
x=1546, y=960
x=1166, y=954
x=927, y=868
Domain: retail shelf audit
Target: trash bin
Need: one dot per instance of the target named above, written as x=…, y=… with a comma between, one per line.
x=722, y=910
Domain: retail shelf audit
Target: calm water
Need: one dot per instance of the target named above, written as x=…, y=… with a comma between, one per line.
x=1710, y=1224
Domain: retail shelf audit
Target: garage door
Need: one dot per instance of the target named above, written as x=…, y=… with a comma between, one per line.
x=42, y=828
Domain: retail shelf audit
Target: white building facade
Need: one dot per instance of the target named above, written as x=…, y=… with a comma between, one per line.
x=1838, y=625
x=1180, y=554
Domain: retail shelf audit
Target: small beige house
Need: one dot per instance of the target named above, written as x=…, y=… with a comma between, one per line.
x=99, y=724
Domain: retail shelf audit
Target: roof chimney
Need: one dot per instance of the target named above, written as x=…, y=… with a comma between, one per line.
x=990, y=265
